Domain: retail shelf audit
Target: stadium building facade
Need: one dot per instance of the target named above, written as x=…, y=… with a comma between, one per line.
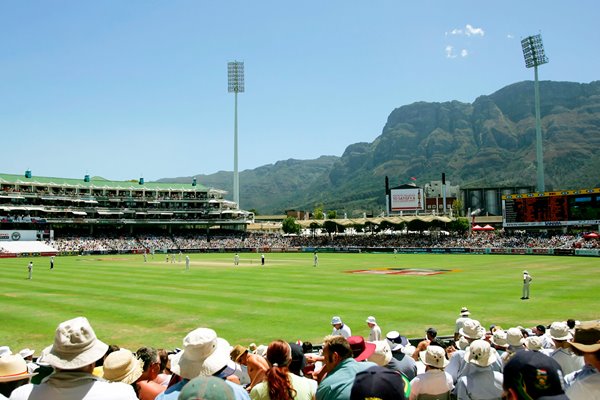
x=90, y=206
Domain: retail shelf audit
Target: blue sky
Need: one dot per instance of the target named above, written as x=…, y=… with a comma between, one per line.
x=123, y=89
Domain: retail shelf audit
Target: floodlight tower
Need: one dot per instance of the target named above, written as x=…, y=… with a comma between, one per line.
x=235, y=78
x=533, y=51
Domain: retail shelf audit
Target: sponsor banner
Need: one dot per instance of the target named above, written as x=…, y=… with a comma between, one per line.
x=542, y=251
x=8, y=255
x=517, y=251
x=15, y=235
x=587, y=252
x=564, y=252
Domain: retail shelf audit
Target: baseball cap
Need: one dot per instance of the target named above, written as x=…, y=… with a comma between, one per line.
x=380, y=383
x=534, y=375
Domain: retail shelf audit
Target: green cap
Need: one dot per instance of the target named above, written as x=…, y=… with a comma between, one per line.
x=206, y=388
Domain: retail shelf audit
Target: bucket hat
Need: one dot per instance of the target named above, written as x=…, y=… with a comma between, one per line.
x=382, y=354
x=560, y=331
x=480, y=353
x=13, y=368
x=122, y=366
x=75, y=345
x=587, y=337
x=434, y=356
x=203, y=354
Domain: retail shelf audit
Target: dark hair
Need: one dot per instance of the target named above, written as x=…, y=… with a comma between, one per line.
x=279, y=356
x=307, y=347
x=571, y=323
x=148, y=355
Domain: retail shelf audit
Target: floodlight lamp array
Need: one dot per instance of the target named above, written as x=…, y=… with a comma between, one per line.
x=533, y=51
x=235, y=77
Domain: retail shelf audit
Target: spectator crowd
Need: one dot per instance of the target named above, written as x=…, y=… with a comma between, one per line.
x=558, y=360
x=232, y=241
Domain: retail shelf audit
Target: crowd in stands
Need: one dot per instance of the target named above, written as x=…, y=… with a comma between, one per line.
x=262, y=241
x=558, y=360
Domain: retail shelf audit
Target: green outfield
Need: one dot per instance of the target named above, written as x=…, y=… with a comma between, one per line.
x=132, y=303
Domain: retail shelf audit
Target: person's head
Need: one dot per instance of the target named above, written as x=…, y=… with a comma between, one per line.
x=207, y=388
x=434, y=357
x=464, y=312
x=586, y=342
x=122, y=366
x=531, y=375
x=279, y=356
x=335, y=350
x=480, y=353
x=336, y=322
x=151, y=362
x=163, y=355
x=371, y=321
x=539, y=330
x=472, y=330
x=379, y=383
x=298, y=362
x=431, y=333
x=13, y=373
x=571, y=323
x=239, y=354
x=560, y=334
x=76, y=347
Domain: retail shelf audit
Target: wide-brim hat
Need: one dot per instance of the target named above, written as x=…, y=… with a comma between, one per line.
x=237, y=351
x=434, y=356
x=472, y=329
x=480, y=353
x=514, y=337
x=371, y=320
x=587, y=337
x=361, y=350
x=560, y=331
x=75, y=345
x=396, y=340
x=26, y=352
x=465, y=312
x=382, y=354
x=336, y=320
x=122, y=366
x=5, y=350
x=203, y=354
x=499, y=338
x=13, y=368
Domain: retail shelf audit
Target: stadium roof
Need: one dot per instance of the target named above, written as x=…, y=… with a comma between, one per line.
x=97, y=182
x=396, y=220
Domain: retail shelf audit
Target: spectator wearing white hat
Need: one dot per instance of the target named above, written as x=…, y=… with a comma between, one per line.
x=203, y=354
x=471, y=331
x=73, y=355
x=569, y=362
x=406, y=364
x=460, y=321
x=339, y=328
x=27, y=355
x=13, y=374
x=375, y=333
x=434, y=381
x=481, y=381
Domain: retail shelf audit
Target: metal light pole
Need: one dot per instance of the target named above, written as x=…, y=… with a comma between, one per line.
x=235, y=79
x=533, y=51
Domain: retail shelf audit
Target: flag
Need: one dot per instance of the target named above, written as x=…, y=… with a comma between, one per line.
x=412, y=178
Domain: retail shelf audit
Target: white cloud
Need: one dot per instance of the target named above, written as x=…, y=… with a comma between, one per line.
x=464, y=53
x=509, y=36
x=450, y=52
x=470, y=30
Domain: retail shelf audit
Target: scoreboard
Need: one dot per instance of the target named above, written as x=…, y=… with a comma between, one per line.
x=552, y=209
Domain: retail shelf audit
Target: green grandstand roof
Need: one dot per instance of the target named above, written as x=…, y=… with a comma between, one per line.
x=97, y=182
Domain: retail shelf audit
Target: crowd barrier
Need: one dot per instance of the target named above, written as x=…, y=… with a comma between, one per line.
x=402, y=250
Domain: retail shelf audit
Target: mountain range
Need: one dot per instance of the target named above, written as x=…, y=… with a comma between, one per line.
x=490, y=142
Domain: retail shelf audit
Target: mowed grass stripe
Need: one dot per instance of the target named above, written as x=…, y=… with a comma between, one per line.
x=133, y=303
